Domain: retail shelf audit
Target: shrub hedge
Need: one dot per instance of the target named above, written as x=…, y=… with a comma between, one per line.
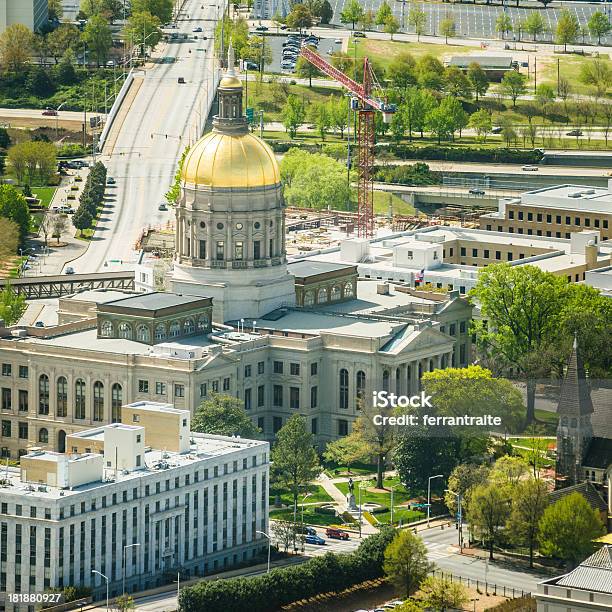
x=467, y=154
x=282, y=586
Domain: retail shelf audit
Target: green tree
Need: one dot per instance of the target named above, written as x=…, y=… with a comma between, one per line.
x=5, y=139
x=488, y=510
x=143, y=29
x=447, y=28
x=410, y=606
x=13, y=206
x=406, y=563
x=65, y=72
x=345, y=451
x=418, y=20
x=338, y=112
x=383, y=13
x=10, y=239
x=503, y=24
x=306, y=70
x=124, y=603
x=568, y=527
x=521, y=305
x=367, y=19
x=223, y=415
x=417, y=105
x=478, y=78
x=430, y=73
x=39, y=82
x=234, y=30
x=568, y=28
x=326, y=12
x=598, y=74
x=529, y=500
x=16, y=46
x=299, y=18
x=162, y=9
x=65, y=37
x=462, y=480
x=294, y=115
x=319, y=114
x=82, y=219
x=443, y=594
x=457, y=83
x=599, y=25
x=295, y=461
x=534, y=24
x=97, y=35
x=351, y=13
x=508, y=472
x=12, y=306
x=508, y=132
x=392, y=25
x=258, y=51
x=481, y=122
x=513, y=85
x=56, y=10
x=545, y=96
x=401, y=70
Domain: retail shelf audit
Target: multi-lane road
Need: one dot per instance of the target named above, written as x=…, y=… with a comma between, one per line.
x=142, y=154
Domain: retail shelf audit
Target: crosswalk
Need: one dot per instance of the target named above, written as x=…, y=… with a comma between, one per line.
x=437, y=550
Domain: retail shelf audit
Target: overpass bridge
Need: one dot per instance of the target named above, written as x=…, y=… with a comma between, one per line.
x=37, y=287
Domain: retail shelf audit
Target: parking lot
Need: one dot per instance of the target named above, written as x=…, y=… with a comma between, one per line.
x=478, y=21
x=325, y=47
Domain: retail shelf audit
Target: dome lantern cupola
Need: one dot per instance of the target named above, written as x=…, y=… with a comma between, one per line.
x=230, y=118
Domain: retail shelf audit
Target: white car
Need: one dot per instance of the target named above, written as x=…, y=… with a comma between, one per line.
x=530, y=168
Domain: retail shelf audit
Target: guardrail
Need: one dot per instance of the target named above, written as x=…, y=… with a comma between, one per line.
x=494, y=589
x=115, y=109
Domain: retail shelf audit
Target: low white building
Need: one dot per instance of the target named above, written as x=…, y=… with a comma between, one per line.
x=198, y=511
x=588, y=587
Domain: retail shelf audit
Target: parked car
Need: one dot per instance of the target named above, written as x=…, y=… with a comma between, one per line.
x=181, y=79
x=575, y=133
x=496, y=129
x=479, y=192
x=251, y=66
x=50, y=112
x=110, y=181
x=306, y=530
x=314, y=539
x=359, y=34
x=530, y=168
x=338, y=41
x=69, y=270
x=336, y=534
x=110, y=64
x=198, y=29
x=39, y=324
x=162, y=206
x=262, y=28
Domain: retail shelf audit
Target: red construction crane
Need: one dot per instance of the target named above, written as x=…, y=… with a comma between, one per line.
x=366, y=105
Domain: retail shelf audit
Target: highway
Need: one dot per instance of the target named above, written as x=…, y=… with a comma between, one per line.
x=161, y=120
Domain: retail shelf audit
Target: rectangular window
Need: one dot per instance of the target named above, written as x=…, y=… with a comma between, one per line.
x=294, y=397
x=529, y=216
x=510, y=214
x=462, y=252
x=160, y=388
x=202, y=249
x=277, y=423
x=577, y=221
x=179, y=390
x=474, y=252
x=277, y=395
x=548, y=218
x=342, y=427
x=247, y=399
x=260, y=423
x=23, y=430
x=278, y=367
x=314, y=426
x=239, y=250
x=260, y=396
x=294, y=369
x=256, y=249
x=486, y=253
x=215, y=386
x=539, y=217
x=557, y=218
x=23, y=371
x=314, y=396
x=260, y=367
x=6, y=429
x=314, y=368
x=7, y=398
x=520, y=215
x=220, y=250
x=587, y=222
x=143, y=386
x=203, y=389
x=6, y=369
x=247, y=371
x=226, y=384
x=497, y=254
x=509, y=256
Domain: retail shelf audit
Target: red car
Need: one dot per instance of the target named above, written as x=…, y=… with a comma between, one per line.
x=336, y=534
x=50, y=112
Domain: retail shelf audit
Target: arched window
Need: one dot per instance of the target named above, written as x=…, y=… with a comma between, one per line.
x=116, y=402
x=322, y=295
x=125, y=331
x=360, y=389
x=335, y=293
x=62, y=396
x=348, y=290
x=385, y=380
x=344, y=388
x=203, y=323
x=79, y=399
x=142, y=333
x=43, y=435
x=98, y=401
x=309, y=298
x=188, y=327
x=106, y=329
x=160, y=332
x=175, y=329
x=43, y=394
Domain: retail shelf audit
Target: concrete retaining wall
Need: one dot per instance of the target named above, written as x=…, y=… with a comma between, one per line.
x=115, y=109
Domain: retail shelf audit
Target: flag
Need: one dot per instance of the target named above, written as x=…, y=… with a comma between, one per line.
x=420, y=276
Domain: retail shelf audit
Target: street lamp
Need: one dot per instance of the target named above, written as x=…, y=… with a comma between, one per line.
x=429, y=494
x=105, y=578
x=124, y=564
x=57, y=110
x=303, y=500
x=263, y=533
x=459, y=516
x=359, y=503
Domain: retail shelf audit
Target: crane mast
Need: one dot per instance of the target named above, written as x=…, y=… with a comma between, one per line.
x=366, y=105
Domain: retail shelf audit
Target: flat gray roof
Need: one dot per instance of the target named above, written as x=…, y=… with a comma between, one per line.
x=312, y=268
x=157, y=300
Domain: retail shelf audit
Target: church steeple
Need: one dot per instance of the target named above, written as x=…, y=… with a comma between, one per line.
x=575, y=430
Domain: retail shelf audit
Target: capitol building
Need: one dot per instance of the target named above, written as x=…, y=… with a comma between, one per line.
x=310, y=336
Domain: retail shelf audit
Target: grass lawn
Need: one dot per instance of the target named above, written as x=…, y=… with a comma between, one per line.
x=317, y=494
x=399, y=495
x=384, y=51
x=382, y=199
x=45, y=194
x=333, y=470
x=399, y=514
x=532, y=442
x=310, y=516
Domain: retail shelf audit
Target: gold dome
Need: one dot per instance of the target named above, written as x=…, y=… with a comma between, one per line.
x=238, y=161
x=230, y=80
